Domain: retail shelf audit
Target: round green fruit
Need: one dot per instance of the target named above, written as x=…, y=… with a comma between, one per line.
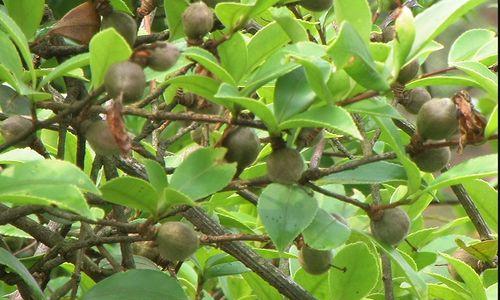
x=14, y=127
x=100, y=138
x=243, y=147
x=176, y=241
x=198, y=20
x=408, y=72
x=124, y=24
x=285, y=166
x=416, y=99
x=432, y=160
x=126, y=79
x=437, y=119
x=467, y=258
x=315, y=262
x=391, y=226
x=316, y=5
x=163, y=57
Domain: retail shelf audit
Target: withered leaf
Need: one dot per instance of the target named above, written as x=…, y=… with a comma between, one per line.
x=80, y=24
x=472, y=123
x=117, y=126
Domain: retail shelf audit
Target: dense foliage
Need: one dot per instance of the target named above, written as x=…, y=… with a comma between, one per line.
x=253, y=149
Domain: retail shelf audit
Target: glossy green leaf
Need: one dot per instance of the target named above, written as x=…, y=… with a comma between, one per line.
x=9, y=260
x=293, y=28
x=406, y=31
x=443, y=292
x=359, y=262
x=357, y=13
x=172, y=197
x=203, y=173
x=292, y=95
x=318, y=72
x=374, y=107
x=265, y=43
x=157, y=176
x=482, y=75
x=131, y=192
x=378, y=172
x=469, y=276
x=19, y=156
x=469, y=46
x=443, y=80
x=173, y=12
x=137, y=284
x=285, y=212
x=75, y=62
x=106, y=48
x=235, y=15
x=485, y=197
x=328, y=116
x=233, y=55
x=351, y=53
x=209, y=61
x=479, y=167
x=492, y=126
x=9, y=56
x=200, y=85
x=27, y=14
x=434, y=20
x=326, y=232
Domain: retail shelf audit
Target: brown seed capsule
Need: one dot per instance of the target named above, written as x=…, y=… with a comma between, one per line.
x=285, y=166
x=100, y=138
x=198, y=20
x=391, y=226
x=437, y=119
x=467, y=258
x=409, y=72
x=15, y=126
x=388, y=34
x=316, y=5
x=416, y=99
x=163, y=56
x=176, y=241
x=126, y=79
x=243, y=147
x=124, y=24
x=432, y=160
x=315, y=262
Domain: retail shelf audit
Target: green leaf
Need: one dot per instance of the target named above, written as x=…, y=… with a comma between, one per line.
x=264, y=43
x=19, y=156
x=485, y=197
x=293, y=28
x=318, y=72
x=234, y=15
x=230, y=94
x=492, y=126
x=406, y=31
x=482, y=75
x=485, y=251
x=328, y=116
x=492, y=291
x=203, y=173
x=443, y=292
x=13, y=263
x=374, y=107
x=44, y=172
x=234, y=56
x=394, y=139
x=75, y=62
x=10, y=27
x=106, y=48
x=469, y=276
x=27, y=14
x=378, y=172
x=360, y=276
x=479, y=167
x=137, y=284
x=442, y=80
x=9, y=56
x=350, y=52
x=357, y=13
x=131, y=192
x=173, y=12
x=326, y=232
x=262, y=289
x=172, y=197
x=292, y=95
x=209, y=61
x=317, y=285
x=200, y=85
x=156, y=175
x=121, y=6
x=468, y=46
x=285, y=212
x=435, y=19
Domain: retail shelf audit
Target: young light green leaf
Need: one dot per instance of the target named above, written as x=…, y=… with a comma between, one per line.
x=359, y=262
x=492, y=126
x=131, y=192
x=285, y=212
x=203, y=173
x=406, y=31
x=9, y=260
x=329, y=116
x=357, y=13
x=469, y=276
x=27, y=14
x=106, y=48
x=137, y=284
x=469, y=44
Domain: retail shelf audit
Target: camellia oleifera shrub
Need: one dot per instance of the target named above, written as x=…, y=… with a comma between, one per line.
x=257, y=149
